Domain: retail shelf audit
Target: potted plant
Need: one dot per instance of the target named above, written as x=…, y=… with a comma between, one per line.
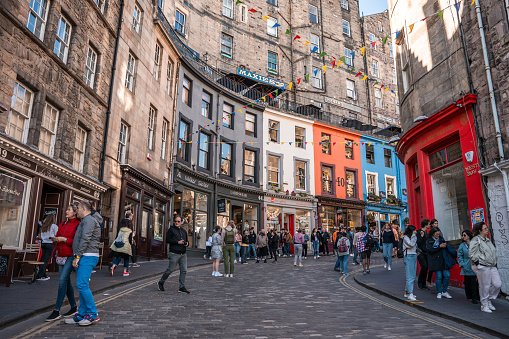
x=370, y=218
x=374, y=197
x=293, y=193
x=406, y=221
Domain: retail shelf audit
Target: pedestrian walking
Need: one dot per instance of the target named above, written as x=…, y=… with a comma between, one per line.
x=217, y=251
x=48, y=231
x=298, y=240
x=364, y=250
x=273, y=244
x=252, y=243
x=228, y=238
x=238, y=242
x=483, y=255
x=343, y=245
x=410, y=258
x=335, y=237
x=85, y=247
x=422, y=258
x=436, y=263
x=283, y=243
x=176, y=236
x=262, y=247
x=387, y=238
x=355, y=238
x=315, y=238
x=325, y=241
x=63, y=243
x=134, y=258
x=122, y=246
x=470, y=280
x=305, y=244
x=376, y=236
x=288, y=243
x=208, y=246
x=244, y=247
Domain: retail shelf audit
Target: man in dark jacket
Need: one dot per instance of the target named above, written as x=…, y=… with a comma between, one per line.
x=422, y=258
x=252, y=243
x=177, y=238
x=325, y=241
x=273, y=244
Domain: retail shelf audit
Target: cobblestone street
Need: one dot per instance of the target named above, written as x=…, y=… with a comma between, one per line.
x=262, y=300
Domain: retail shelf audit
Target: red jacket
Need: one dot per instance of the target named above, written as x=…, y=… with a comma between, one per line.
x=67, y=229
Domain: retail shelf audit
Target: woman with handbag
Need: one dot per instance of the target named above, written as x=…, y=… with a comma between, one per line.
x=435, y=245
x=216, y=250
x=122, y=246
x=63, y=241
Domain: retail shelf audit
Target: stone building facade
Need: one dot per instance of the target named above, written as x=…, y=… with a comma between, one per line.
x=450, y=141
x=380, y=64
x=55, y=73
x=139, y=144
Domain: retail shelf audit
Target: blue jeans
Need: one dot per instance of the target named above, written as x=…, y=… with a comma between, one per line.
x=411, y=271
x=355, y=254
x=377, y=246
x=83, y=273
x=442, y=280
x=252, y=249
x=316, y=246
x=237, y=251
x=116, y=261
x=343, y=263
x=288, y=249
x=64, y=285
x=388, y=253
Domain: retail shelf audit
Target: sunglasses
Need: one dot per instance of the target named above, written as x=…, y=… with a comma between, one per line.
x=178, y=221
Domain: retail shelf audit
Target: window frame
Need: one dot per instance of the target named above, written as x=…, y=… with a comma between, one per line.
x=256, y=152
x=164, y=138
x=187, y=151
x=243, y=13
x=274, y=129
x=372, y=38
x=100, y=4
x=349, y=145
x=230, y=116
x=123, y=143
x=315, y=14
x=353, y=95
x=207, y=151
x=370, y=154
x=62, y=40
x=81, y=153
x=393, y=178
x=297, y=175
x=272, y=70
x=231, y=143
x=272, y=31
x=272, y=2
x=391, y=50
x=348, y=27
x=169, y=77
x=158, y=54
x=333, y=187
x=314, y=43
x=374, y=68
x=130, y=72
x=208, y=103
x=272, y=184
x=182, y=29
x=251, y=122
x=376, y=189
x=136, y=23
x=89, y=74
x=44, y=129
x=388, y=155
x=316, y=80
x=12, y=110
x=380, y=27
x=348, y=57
x=32, y=13
x=303, y=135
x=344, y=4
x=152, y=116
x=329, y=143
x=223, y=44
x=378, y=98
x=225, y=8
x=186, y=91
x=356, y=183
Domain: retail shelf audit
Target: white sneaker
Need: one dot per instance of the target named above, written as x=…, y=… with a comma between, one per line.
x=490, y=306
x=439, y=296
x=389, y=268
x=231, y=275
x=219, y=274
x=301, y=265
x=235, y=261
x=284, y=256
x=385, y=265
x=314, y=257
x=318, y=256
x=294, y=264
x=214, y=273
x=412, y=297
x=486, y=309
x=447, y=295
x=405, y=295
x=227, y=275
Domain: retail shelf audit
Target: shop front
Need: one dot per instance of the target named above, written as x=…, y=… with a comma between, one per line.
x=379, y=214
x=443, y=180
x=289, y=213
x=244, y=207
x=148, y=201
x=335, y=213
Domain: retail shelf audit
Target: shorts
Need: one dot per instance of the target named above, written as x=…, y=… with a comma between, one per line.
x=366, y=254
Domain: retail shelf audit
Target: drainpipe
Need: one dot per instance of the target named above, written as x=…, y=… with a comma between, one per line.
x=506, y=186
x=365, y=60
x=110, y=95
x=490, y=86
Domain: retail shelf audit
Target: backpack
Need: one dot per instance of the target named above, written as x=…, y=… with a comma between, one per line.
x=229, y=239
x=369, y=241
x=119, y=241
x=342, y=247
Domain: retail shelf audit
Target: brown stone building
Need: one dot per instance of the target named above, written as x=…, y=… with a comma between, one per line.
x=454, y=103
x=55, y=68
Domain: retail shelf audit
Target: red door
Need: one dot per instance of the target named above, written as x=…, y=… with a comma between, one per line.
x=291, y=227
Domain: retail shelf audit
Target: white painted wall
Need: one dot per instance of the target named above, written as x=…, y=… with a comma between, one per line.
x=288, y=152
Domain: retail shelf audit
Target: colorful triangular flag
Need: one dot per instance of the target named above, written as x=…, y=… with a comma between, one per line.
x=411, y=28
x=322, y=55
x=351, y=71
x=457, y=6
x=296, y=37
x=270, y=95
x=298, y=81
x=441, y=14
x=342, y=59
x=252, y=10
x=276, y=25
x=290, y=86
x=364, y=78
x=238, y=2
x=288, y=31
x=306, y=43
x=373, y=44
x=276, y=91
x=315, y=49
x=265, y=18
x=384, y=40
x=363, y=49
x=315, y=71
x=358, y=74
x=324, y=67
x=397, y=34
x=307, y=77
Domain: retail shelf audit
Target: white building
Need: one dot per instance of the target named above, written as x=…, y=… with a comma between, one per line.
x=288, y=172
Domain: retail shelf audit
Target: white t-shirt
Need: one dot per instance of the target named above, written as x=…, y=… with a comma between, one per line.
x=51, y=233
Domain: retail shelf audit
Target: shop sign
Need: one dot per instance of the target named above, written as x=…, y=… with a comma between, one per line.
x=192, y=180
x=260, y=78
x=230, y=193
x=404, y=191
x=477, y=215
x=342, y=104
x=45, y=172
x=221, y=206
x=472, y=169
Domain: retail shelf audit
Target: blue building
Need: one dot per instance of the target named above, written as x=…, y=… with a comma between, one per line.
x=384, y=183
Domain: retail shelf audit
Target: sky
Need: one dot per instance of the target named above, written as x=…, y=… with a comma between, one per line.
x=372, y=6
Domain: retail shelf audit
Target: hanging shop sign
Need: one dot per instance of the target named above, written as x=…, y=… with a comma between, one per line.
x=221, y=206
x=260, y=78
x=192, y=180
x=231, y=193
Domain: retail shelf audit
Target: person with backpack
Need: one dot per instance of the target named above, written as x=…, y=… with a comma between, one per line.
x=388, y=241
x=245, y=247
x=121, y=247
x=297, y=246
x=470, y=281
x=343, y=245
x=228, y=240
x=364, y=246
x=410, y=252
x=435, y=244
x=376, y=236
x=305, y=245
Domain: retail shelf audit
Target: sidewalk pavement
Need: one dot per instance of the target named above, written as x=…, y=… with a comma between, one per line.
x=392, y=284
x=21, y=301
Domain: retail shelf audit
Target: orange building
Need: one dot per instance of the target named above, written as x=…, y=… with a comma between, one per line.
x=338, y=177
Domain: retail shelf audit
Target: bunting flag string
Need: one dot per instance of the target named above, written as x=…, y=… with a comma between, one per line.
x=346, y=142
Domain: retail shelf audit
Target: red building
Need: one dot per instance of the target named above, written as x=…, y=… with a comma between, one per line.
x=443, y=180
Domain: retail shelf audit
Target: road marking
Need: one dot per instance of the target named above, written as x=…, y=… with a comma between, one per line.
x=45, y=326
x=410, y=313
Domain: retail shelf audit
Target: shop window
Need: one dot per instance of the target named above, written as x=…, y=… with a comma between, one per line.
x=328, y=216
x=48, y=130
x=226, y=159
x=300, y=175
x=327, y=176
x=228, y=116
x=20, y=113
x=183, y=145
x=326, y=146
x=122, y=143
x=450, y=201
x=250, y=217
x=159, y=226
x=251, y=125
x=37, y=16
x=204, y=151
x=13, y=208
x=205, y=105
x=79, y=149
x=130, y=192
x=354, y=218
x=445, y=156
x=224, y=217
x=194, y=213
x=302, y=220
x=416, y=170
x=273, y=131
x=388, y=157
x=250, y=157
x=313, y=14
x=274, y=170
x=148, y=200
x=351, y=184
x=274, y=217
x=300, y=137
x=370, y=154
x=348, y=149
x=186, y=91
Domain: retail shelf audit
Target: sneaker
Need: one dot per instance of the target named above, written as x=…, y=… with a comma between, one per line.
x=112, y=269
x=294, y=264
x=227, y=275
x=126, y=274
x=89, y=320
x=314, y=257
x=219, y=274
x=364, y=272
x=235, y=262
x=475, y=301
x=389, y=268
x=183, y=290
x=447, y=295
x=160, y=286
x=231, y=275
x=439, y=296
x=70, y=313
x=245, y=263
x=42, y=279
x=213, y=273
x=284, y=256
x=265, y=260
x=490, y=306
x=135, y=265
x=75, y=319
x=369, y=271
x=345, y=275
x=55, y=315
x=412, y=297
x=385, y=265
x=318, y=256
x=429, y=284
x=210, y=258
x=301, y=265
x=486, y=309
x=405, y=295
